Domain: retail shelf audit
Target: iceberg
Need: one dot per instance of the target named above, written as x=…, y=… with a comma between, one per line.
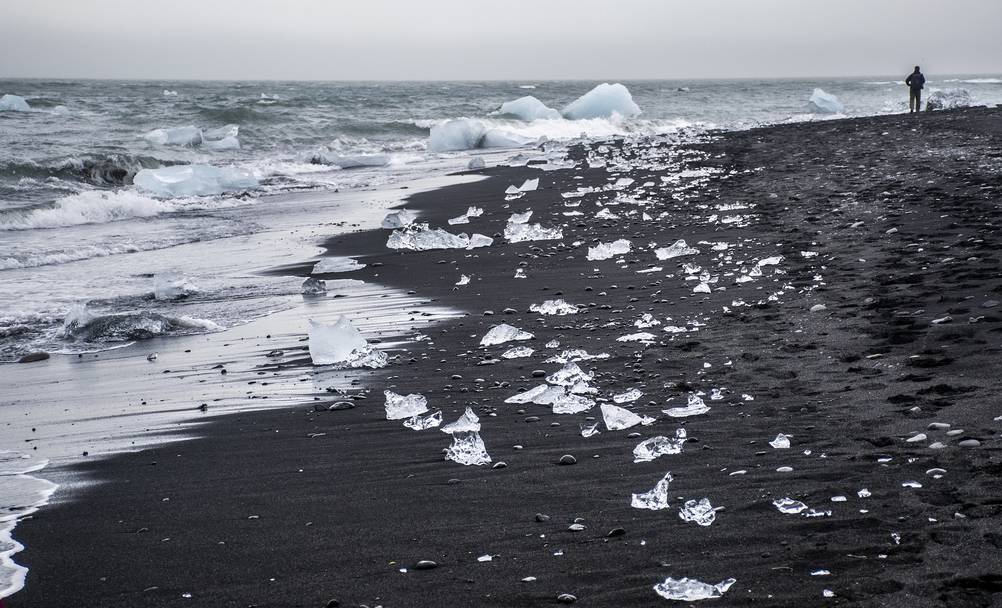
x=699, y=512
x=423, y=423
x=604, y=251
x=193, y=180
x=341, y=344
x=694, y=407
x=691, y=590
x=13, y=103
x=227, y=143
x=172, y=287
x=468, y=449
x=554, y=307
x=460, y=134
x=399, y=219
x=177, y=136
x=617, y=418
x=604, y=101
x=948, y=99
x=649, y=449
x=825, y=103
x=656, y=499
x=499, y=334
x=528, y=108
x=400, y=406
x=676, y=249
x=350, y=161
x=467, y=422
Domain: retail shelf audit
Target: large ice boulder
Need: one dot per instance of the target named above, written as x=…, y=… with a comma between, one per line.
x=949, y=99
x=825, y=103
x=342, y=345
x=603, y=101
x=349, y=161
x=13, y=103
x=528, y=108
x=459, y=134
x=177, y=136
x=193, y=180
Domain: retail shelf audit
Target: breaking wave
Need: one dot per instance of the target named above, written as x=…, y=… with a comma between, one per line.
x=82, y=325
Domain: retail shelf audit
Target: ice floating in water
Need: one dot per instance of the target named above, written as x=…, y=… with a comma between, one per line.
x=476, y=163
x=627, y=397
x=499, y=334
x=517, y=352
x=336, y=264
x=467, y=422
x=172, y=287
x=676, y=249
x=604, y=251
x=227, y=143
x=457, y=135
x=656, y=499
x=617, y=418
x=13, y=103
x=604, y=101
x=699, y=512
x=694, y=407
x=948, y=99
x=420, y=237
x=177, y=136
x=517, y=233
x=649, y=449
x=528, y=108
x=691, y=590
x=400, y=406
x=789, y=506
x=468, y=449
x=314, y=287
x=193, y=180
x=554, y=307
x=423, y=423
x=341, y=344
x=825, y=103
x=399, y=219
x=569, y=375
x=781, y=442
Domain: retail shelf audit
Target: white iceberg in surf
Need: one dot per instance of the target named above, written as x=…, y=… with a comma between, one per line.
x=336, y=264
x=399, y=407
x=528, y=108
x=193, y=180
x=949, y=99
x=350, y=161
x=421, y=237
x=825, y=103
x=468, y=449
x=13, y=103
x=617, y=418
x=175, y=136
x=691, y=590
x=399, y=219
x=499, y=334
x=172, y=287
x=340, y=344
x=604, y=251
x=604, y=101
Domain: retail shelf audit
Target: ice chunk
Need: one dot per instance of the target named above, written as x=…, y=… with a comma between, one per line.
x=701, y=288
x=519, y=218
x=463, y=280
x=638, y=337
x=467, y=422
x=825, y=103
x=399, y=219
x=517, y=233
x=676, y=249
x=461, y=134
x=193, y=180
x=479, y=240
x=554, y=307
x=656, y=499
x=771, y=261
x=652, y=448
x=627, y=397
x=646, y=320
x=336, y=264
x=589, y=428
x=575, y=354
x=477, y=162
x=694, y=407
x=172, y=287
x=13, y=103
x=400, y=406
x=540, y=395
x=350, y=161
x=468, y=449
x=420, y=237
x=617, y=418
x=691, y=590
x=222, y=132
x=529, y=185
x=948, y=99
x=423, y=423
x=177, y=136
x=700, y=512
x=341, y=344
x=569, y=375
x=499, y=334
x=226, y=143
x=604, y=251
x=314, y=287
x=781, y=442
x=604, y=101
x=517, y=352
x=571, y=404
x=789, y=506
x=605, y=214
x=528, y=108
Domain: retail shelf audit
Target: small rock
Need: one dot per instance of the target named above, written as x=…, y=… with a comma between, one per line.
x=969, y=443
x=425, y=564
x=938, y=426
x=39, y=356
x=542, y=517
x=538, y=373
x=818, y=308
x=500, y=464
x=616, y=532
x=566, y=598
x=568, y=459
x=532, y=418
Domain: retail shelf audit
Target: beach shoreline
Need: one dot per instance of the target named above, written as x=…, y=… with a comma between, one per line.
x=332, y=505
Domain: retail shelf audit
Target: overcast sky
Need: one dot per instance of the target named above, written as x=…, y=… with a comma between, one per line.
x=500, y=39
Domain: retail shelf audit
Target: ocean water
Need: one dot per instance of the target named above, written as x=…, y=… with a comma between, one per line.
x=79, y=240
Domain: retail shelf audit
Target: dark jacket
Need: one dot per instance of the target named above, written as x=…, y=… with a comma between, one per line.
x=916, y=81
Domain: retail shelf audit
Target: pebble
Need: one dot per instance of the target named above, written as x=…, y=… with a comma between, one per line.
x=538, y=373
x=542, y=517
x=500, y=464
x=32, y=357
x=969, y=443
x=532, y=418
x=425, y=564
x=566, y=598
x=918, y=437
x=938, y=426
x=568, y=459
x=616, y=532
x=576, y=527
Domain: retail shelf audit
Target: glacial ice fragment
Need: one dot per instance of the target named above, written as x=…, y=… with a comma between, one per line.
x=314, y=287
x=460, y=134
x=699, y=512
x=529, y=185
x=649, y=449
x=571, y=404
x=528, y=108
x=468, y=449
x=423, y=423
x=520, y=218
x=656, y=499
x=643, y=336
x=781, y=442
x=336, y=264
x=463, y=280
x=421, y=237
x=339, y=343
x=948, y=99
x=589, y=428
x=617, y=418
x=604, y=251
x=499, y=334
x=554, y=307
x=604, y=101
x=177, y=136
x=691, y=590
x=693, y=407
x=517, y=352
x=193, y=180
x=401, y=406
x=569, y=375
x=789, y=506
x=467, y=422
x=399, y=219
x=574, y=354
x=825, y=103
x=13, y=103
x=676, y=249
x=627, y=397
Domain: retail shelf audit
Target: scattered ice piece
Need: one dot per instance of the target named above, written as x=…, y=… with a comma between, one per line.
x=422, y=423
x=463, y=280
x=821, y=573
x=643, y=336
x=911, y=484
x=528, y=108
x=313, y=287
x=193, y=180
x=485, y=558
x=336, y=264
x=399, y=219
x=517, y=233
x=517, y=352
x=656, y=499
x=825, y=103
x=694, y=407
x=627, y=397
x=468, y=449
x=341, y=344
x=520, y=218
x=569, y=375
x=421, y=237
x=554, y=307
x=176, y=136
x=400, y=406
x=646, y=320
x=649, y=449
x=789, y=506
x=617, y=418
x=589, y=428
x=467, y=422
x=839, y=499
x=571, y=404
x=499, y=334
x=676, y=249
x=701, y=288
x=828, y=593
x=781, y=442
x=773, y=261
x=605, y=214
x=575, y=354
x=699, y=512
x=691, y=590
x=479, y=240
x=520, y=273
x=529, y=185
x=604, y=251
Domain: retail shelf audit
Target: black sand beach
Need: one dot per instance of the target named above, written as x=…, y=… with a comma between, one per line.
x=303, y=508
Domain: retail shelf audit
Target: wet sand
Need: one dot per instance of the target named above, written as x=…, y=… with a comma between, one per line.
x=294, y=507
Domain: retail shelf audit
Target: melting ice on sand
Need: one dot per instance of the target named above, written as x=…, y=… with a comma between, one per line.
x=341, y=344
x=421, y=237
x=676, y=249
x=400, y=406
x=617, y=418
x=690, y=590
x=468, y=449
x=467, y=422
x=423, y=423
x=499, y=334
x=699, y=512
x=649, y=449
x=336, y=264
x=554, y=307
x=399, y=219
x=517, y=233
x=694, y=407
x=656, y=499
x=604, y=251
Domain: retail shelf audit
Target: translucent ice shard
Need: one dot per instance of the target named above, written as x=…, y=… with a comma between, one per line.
x=572, y=404
x=336, y=264
x=520, y=218
x=468, y=449
x=649, y=449
x=517, y=352
x=656, y=499
x=646, y=320
x=627, y=397
x=499, y=334
x=569, y=375
x=467, y=422
x=479, y=240
x=694, y=407
x=576, y=354
x=463, y=280
x=529, y=185
x=422, y=423
x=825, y=103
x=314, y=287
x=421, y=237
x=699, y=512
x=589, y=428
x=540, y=395
x=604, y=251
x=617, y=418
x=399, y=407
x=604, y=101
x=643, y=336
x=517, y=233
x=341, y=344
x=554, y=307
x=771, y=261
x=676, y=249
x=789, y=506
x=691, y=590
x=781, y=442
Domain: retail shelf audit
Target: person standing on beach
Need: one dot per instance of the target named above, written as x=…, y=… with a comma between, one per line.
x=915, y=82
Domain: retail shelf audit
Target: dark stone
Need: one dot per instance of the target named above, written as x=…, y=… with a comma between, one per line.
x=425, y=564
x=568, y=459
x=32, y=357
